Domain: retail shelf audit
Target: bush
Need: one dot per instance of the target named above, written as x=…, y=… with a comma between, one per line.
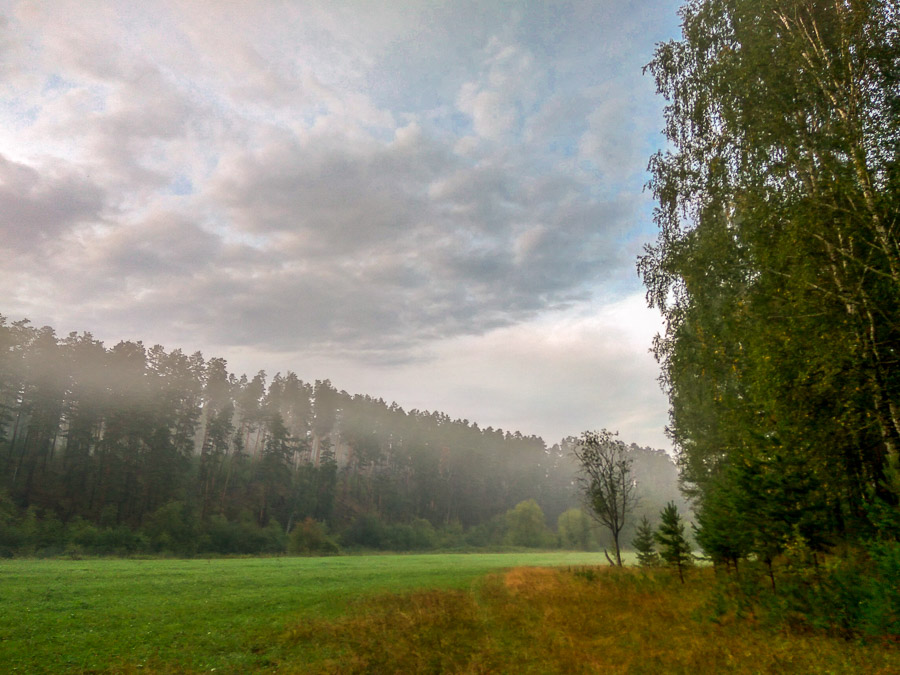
x=82, y=533
x=856, y=594
x=574, y=529
x=367, y=531
x=423, y=535
x=450, y=535
x=119, y=540
x=490, y=533
x=527, y=525
x=171, y=528
x=273, y=538
x=40, y=534
x=242, y=537
x=310, y=537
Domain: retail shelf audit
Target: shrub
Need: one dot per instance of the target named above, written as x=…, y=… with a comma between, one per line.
x=171, y=529
x=241, y=537
x=527, y=525
x=309, y=537
x=574, y=529
x=367, y=531
x=490, y=533
x=118, y=540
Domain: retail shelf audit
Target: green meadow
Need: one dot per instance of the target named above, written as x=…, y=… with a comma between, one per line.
x=442, y=613
x=131, y=615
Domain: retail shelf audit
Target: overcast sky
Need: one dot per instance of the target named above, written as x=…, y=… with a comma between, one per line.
x=436, y=203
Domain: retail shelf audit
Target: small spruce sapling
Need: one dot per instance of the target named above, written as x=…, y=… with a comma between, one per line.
x=673, y=545
x=645, y=544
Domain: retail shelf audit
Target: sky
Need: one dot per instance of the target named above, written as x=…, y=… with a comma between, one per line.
x=434, y=203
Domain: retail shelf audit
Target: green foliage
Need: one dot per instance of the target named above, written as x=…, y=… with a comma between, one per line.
x=644, y=544
x=574, y=529
x=526, y=525
x=367, y=531
x=171, y=528
x=722, y=532
x=371, y=532
x=415, y=536
x=243, y=537
x=490, y=533
x=311, y=537
x=674, y=548
x=851, y=596
x=777, y=270
x=424, y=535
x=854, y=595
x=42, y=535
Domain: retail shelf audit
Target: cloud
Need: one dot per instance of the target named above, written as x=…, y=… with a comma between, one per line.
x=324, y=180
x=397, y=241
x=554, y=376
x=37, y=208
x=162, y=246
x=506, y=88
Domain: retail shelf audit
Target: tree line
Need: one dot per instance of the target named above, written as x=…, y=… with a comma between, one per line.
x=112, y=435
x=110, y=442
x=777, y=270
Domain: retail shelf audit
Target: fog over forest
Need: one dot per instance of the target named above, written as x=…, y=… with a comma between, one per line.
x=132, y=448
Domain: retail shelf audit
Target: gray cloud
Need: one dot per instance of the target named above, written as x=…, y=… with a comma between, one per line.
x=163, y=245
x=37, y=208
x=321, y=178
x=393, y=243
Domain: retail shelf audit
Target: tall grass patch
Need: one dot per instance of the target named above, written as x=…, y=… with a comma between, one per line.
x=555, y=621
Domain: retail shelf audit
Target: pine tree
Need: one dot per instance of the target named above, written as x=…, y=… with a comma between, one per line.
x=644, y=543
x=673, y=545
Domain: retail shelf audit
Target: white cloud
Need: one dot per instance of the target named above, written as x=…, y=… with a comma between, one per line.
x=433, y=186
x=557, y=375
x=507, y=87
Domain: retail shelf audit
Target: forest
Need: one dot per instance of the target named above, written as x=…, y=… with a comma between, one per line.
x=134, y=449
x=777, y=270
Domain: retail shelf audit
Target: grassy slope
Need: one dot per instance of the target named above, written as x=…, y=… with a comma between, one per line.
x=74, y=616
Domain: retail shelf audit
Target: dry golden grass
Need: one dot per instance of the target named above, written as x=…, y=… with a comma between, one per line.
x=563, y=621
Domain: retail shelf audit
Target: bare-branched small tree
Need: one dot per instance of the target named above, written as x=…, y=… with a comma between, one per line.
x=605, y=476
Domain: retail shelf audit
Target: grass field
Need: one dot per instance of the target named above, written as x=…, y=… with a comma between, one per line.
x=59, y=616
x=475, y=613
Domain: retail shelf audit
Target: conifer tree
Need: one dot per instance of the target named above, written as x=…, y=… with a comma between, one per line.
x=644, y=543
x=674, y=548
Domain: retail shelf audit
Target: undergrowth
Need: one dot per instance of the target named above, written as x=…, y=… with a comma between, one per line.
x=580, y=620
x=854, y=596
